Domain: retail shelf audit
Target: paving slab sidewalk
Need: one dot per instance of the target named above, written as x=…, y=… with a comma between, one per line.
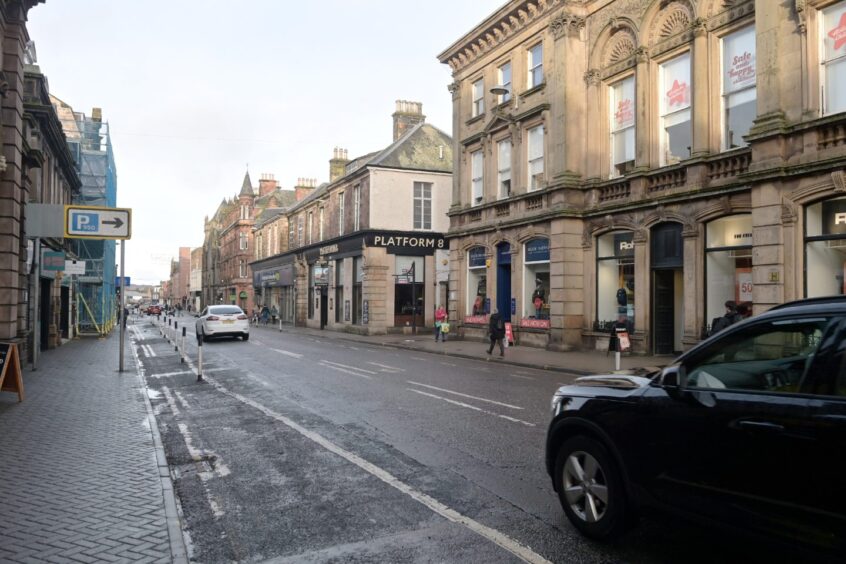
x=82, y=474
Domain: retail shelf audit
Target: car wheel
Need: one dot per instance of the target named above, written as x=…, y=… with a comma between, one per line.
x=246, y=337
x=590, y=488
x=204, y=336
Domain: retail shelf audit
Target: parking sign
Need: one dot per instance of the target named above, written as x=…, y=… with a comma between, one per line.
x=89, y=222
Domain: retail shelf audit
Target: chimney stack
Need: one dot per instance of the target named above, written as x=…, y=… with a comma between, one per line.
x=407, y=115
x=304, y=187
x=337, y=164
x=267, y=184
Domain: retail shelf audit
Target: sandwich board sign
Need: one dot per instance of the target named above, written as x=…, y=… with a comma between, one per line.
x=10, y=370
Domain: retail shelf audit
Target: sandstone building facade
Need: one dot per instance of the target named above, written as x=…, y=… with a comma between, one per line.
x=646, y=158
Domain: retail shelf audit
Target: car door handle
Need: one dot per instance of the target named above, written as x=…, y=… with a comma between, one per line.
x=765, y=426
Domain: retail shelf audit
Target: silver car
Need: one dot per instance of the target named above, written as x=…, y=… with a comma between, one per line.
x=223, y=320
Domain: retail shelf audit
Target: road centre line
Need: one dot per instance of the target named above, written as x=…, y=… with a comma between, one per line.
x=339, y=369
x=473, y=407
x=508, y=405
x=448, y=364
x=288, y=353
x=500, y=539
x=386, y=367
x=347, y=366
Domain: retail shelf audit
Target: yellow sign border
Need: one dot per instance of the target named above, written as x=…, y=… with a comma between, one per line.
x=102, y=209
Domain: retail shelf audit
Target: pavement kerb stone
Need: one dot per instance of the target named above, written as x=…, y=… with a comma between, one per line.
x=178, y=549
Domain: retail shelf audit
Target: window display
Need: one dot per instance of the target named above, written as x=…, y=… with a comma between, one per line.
x=536, y=279
x=825, y=248
x=615, y=277
x=409, y=287
x=739, y=92
x=728, y=264
x=677, y=136
x=477, y=281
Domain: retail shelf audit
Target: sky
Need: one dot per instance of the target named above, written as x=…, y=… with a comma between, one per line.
x=197, y=92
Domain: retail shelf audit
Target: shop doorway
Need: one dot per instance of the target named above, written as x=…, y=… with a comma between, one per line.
x=64, y=319
x=45, y=312
x=503, y=280
x=324, y=306
x=667, y=288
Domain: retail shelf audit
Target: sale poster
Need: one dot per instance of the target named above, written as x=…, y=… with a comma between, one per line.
x=744, y=285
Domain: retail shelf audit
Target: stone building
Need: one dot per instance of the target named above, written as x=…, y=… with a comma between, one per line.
x=646, y=158
x=180, y=278
x=228, y=246
x=365, y=251
x=195, y=284
x=14, y=187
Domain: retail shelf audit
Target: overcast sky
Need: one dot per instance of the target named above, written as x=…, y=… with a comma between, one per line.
x=195, y=90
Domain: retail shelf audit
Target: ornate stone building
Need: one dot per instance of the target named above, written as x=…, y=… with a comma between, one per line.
x=646, y=158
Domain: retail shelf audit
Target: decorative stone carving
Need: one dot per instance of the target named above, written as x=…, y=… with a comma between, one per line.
x=633, y=9
x=799, y=6
x=788, y=212
x=838, y=177
x=699, y=28
x=592, y=77
x=620, y=47
x=453, y=88
x=642, y=54
x=566, y=25
x=675, y=18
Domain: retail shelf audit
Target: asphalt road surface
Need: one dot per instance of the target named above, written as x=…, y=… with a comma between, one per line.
x=302, y=449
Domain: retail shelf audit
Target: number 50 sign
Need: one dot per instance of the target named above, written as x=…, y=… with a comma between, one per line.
x=745, y=286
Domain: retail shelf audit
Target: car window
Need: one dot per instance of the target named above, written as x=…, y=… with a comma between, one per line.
x=225, y=310
x=771, y=357
x=827, y=373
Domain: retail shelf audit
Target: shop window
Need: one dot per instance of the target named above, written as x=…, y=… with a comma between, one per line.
x=675, y=92
x=358, y=280
x=311, y=292
x=728, y=265
x=739, y=92
x=536, y=279
x=503, y=165
x=409, y=290
x=622, y=115
x=825, y=248
x=615, y=278
x=477, y=281
x=833, y=36
x=339, y=290
x=477, y=161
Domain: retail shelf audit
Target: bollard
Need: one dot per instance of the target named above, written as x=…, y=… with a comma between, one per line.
x=199, y=358
x=616, y=360
x=182, y=356
x=176, y=335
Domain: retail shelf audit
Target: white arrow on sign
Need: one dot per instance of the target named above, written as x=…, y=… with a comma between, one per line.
x=90, y=222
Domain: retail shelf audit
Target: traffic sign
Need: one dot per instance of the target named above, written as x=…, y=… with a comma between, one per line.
x=90, y=222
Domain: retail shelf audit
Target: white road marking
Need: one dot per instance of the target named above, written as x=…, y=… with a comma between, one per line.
x=339, y=369
x=181, y=400
x=418, y=358
x=508, y=405
x=386, y=367
x=521, y=377
x=348, y=367
x=288, y=353
x=500, y=539
x=473, y=407
x=173, y=407
x=167, y=374
x=448, y=364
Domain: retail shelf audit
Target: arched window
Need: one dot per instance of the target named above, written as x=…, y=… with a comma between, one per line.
x=477, y=281
x=536, y=279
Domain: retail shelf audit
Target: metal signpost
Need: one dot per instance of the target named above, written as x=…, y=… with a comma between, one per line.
x=89, y=222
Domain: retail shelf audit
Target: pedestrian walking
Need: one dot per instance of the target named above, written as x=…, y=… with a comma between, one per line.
x=730, y=318
x=441, y=324
x=496, y=328
x=274, y=313
x=265, y=315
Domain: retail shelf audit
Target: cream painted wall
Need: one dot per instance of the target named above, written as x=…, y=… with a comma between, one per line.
x=392, y=197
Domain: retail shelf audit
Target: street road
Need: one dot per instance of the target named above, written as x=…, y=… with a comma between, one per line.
x=303, y=449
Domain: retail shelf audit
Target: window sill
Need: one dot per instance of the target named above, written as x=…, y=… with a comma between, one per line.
x=475, y=119
x=525, y=94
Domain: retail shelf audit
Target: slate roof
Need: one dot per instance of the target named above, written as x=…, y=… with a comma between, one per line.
x=247, y=186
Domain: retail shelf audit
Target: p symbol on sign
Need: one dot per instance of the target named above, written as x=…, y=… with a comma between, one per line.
x=85, y=222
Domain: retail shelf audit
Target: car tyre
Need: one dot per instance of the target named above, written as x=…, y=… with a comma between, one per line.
x=204, y=336
x=590, y=488
x=246, y=337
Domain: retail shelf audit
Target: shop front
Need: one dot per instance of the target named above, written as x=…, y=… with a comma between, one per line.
x=825, y=248
x=274, y=288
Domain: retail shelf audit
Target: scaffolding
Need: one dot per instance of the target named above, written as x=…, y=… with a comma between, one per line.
x=90, y=144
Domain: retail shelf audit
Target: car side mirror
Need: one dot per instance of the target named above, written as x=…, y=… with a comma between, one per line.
x=671, y=380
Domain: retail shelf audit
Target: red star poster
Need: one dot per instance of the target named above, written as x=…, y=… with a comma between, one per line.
x=678, y=95
x=838, y=34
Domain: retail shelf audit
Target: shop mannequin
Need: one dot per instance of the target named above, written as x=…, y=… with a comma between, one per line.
x=538, y=298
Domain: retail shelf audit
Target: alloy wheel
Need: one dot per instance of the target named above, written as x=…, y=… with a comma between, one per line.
x=585, y=486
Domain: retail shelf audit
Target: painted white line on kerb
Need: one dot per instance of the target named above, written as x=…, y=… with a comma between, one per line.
x=386, y=367
x=500, y=539
x=288, y=353
x=473, y=407
x=339, y=369
x=508, y=405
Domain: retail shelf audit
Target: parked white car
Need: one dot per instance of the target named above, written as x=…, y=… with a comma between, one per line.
x=223, y=320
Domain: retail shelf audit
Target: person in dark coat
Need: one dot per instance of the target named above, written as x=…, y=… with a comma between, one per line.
x=496, y=328
x=730, y=318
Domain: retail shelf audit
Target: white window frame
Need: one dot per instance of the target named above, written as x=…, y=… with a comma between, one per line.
x=503, y=168
x=612, y=123
x=259, y=240
x=357, y=207
x=320, y=224
x=310, y=227
x=242, y=269
x=535, y=78
x=243, y=244
x=534, y=161
x=746, y=92
x=421, y=199
x=503, y=83
x=477, y=177
x=478, y=97
x=300, y=222
x=341, y=198
x=825, y=64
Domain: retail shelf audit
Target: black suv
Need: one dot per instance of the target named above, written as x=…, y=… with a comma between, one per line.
x=746, y=430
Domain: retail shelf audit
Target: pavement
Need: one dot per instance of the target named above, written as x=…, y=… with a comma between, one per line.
x=83, y=475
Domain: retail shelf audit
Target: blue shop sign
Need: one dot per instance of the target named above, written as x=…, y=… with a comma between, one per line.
x=537, y=250
x=273, y=277
x=476, y=257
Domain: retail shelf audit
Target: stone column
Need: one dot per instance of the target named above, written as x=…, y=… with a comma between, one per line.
x=693, y=304
x=768, y=248
x=592, y=141
x=375, y=290
x=643, y=130
x=457, y=157
x=567, y=266
x=643, y=281
x=567, y=123
x=701, y=90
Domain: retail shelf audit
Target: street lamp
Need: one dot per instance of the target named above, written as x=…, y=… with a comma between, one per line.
x=499, y=91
